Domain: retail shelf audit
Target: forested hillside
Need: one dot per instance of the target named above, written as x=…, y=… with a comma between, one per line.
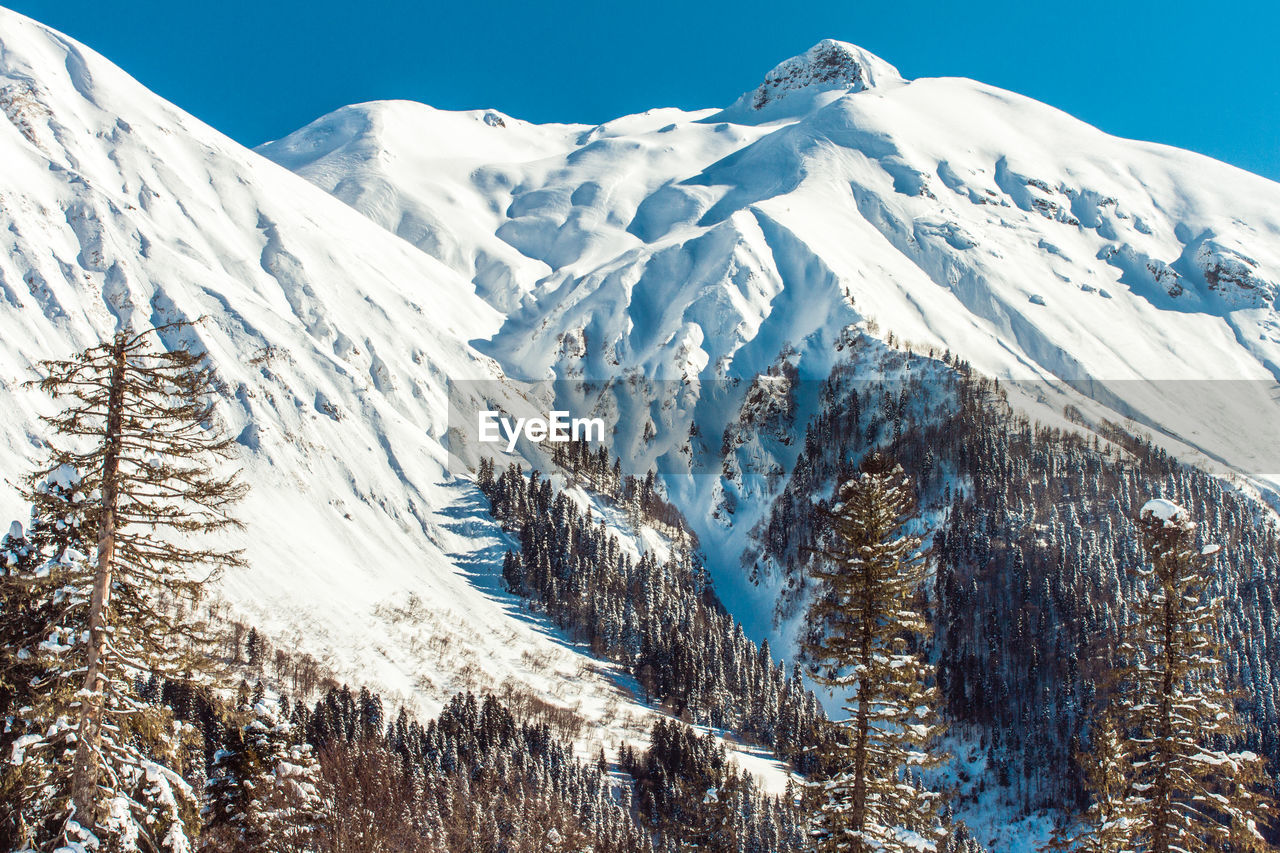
x=1034, y=531
x=660, y=620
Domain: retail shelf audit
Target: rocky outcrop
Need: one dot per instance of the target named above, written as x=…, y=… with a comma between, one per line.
x=828, y=65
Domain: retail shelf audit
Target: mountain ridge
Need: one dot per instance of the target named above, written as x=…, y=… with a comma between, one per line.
x=951, y=213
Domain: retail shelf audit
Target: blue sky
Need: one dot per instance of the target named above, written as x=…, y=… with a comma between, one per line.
x=1201, y=76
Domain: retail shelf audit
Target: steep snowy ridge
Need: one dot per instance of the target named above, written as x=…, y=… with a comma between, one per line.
x=120, y=210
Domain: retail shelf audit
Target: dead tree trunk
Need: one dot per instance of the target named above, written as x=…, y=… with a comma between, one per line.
x=87, y=766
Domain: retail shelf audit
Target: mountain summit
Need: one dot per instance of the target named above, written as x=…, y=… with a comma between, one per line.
x=830, y=68
x=828, y=65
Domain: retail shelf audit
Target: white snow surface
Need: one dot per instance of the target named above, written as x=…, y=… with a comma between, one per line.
x=1163, y=509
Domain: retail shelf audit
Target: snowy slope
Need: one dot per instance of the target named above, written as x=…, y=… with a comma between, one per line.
x=1128, y=278
x=335, y=340
x=119, y=209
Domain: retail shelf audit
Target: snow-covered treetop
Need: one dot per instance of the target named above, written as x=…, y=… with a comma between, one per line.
x=1165, y=510
x=828, y=65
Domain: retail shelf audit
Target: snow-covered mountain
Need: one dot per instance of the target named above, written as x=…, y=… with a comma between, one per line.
x=1128, y=279
x=706, y=245
x=695, y=277
x=391, y=247
x=952, y=212
x=118, y=208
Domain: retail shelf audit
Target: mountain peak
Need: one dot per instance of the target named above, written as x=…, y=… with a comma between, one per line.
x=828, y=65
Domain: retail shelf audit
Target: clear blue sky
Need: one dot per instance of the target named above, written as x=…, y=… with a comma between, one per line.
x=1204, y=76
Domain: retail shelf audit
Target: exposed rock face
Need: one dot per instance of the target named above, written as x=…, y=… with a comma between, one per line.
x=827, y=65
x=1233, y=275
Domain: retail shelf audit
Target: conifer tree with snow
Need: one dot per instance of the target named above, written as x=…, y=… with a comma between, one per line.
x=1107, y=775
x=1169, y=785
x=43, y=575
x=103, y=768
x=866, y=623
x=263, y=789
x=254, y=649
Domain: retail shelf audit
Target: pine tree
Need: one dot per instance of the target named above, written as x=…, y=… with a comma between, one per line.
x=1181, y=791
x=866, y=622
x=43, y=575
x=484, y=476
x=139, y=433
x=40, y=610
x=254, y=650
x=262, y=792
x=1106, y=773
x=228, y=793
